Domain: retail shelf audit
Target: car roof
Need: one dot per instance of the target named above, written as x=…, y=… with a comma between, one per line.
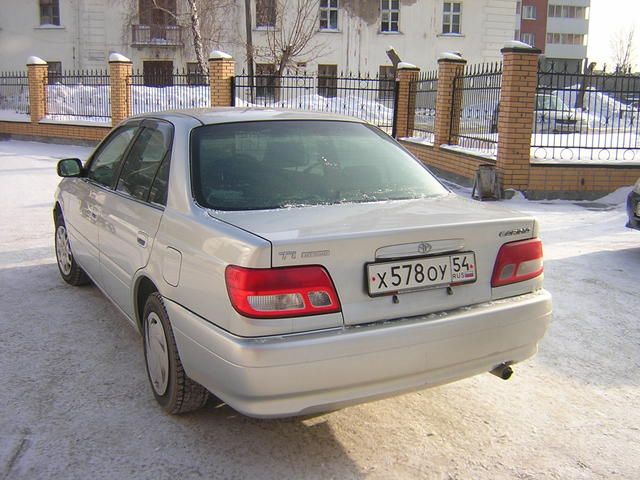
x=209, y=116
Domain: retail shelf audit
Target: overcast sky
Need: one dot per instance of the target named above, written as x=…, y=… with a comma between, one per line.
x=607, y=18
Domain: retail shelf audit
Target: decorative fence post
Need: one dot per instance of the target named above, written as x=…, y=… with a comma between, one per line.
x=221, y=71
x=448, y=105
x=120, y=70
x=38, y=74
x=406, y=100
x=515, y=121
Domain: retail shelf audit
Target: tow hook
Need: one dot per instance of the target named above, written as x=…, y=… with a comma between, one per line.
x=502, y=371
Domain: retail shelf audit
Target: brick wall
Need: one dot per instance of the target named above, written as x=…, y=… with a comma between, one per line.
x=57, y=131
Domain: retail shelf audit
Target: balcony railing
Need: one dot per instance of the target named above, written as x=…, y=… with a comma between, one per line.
x=156, y=35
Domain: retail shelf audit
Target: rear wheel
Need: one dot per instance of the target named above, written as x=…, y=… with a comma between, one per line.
x=174, y=391
x=69, y=270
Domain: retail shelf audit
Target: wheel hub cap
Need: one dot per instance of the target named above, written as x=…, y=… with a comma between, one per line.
x=63, y=250
x=157, y=354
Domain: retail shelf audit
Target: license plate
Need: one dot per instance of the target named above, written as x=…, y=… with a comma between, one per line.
x=405, y=275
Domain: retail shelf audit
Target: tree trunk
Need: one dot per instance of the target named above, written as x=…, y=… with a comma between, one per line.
x=249, y=46
x=197, y=37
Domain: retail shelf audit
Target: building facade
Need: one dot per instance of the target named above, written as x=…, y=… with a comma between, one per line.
x=349, y=35
x=559, y=28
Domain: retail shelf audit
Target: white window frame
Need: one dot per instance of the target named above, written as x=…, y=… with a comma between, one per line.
x=386, y=16
x=524, y=37
x=448, y=17
x=326, y=8
x=529, y=12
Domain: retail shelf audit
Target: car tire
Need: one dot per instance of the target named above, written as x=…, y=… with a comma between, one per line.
x=171, y=386
x=69, y=270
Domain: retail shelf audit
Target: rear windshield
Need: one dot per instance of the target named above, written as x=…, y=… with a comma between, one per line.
x=280, y=164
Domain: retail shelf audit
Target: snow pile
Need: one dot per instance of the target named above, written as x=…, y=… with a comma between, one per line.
x=353, y=105
x=79, y=102
x=603, y=110
x=14, y=98
x=155, y=99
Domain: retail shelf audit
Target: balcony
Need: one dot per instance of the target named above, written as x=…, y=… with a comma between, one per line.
x=156, y=36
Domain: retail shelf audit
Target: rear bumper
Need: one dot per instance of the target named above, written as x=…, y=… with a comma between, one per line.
x=306, y=373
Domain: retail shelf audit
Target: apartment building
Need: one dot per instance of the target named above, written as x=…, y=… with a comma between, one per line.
x=351, y=35
x=558, y=27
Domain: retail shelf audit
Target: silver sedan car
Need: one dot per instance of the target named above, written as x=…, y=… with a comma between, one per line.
x=291, y=262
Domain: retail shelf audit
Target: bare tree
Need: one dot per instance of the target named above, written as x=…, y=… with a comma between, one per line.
x=291, y=38
x=623, y=48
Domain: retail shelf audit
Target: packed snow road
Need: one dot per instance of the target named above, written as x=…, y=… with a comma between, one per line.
x=76, y=402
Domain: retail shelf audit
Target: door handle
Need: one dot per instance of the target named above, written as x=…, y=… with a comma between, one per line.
x=142, y=239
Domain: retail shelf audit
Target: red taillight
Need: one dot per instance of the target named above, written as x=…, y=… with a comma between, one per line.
x=517, y=261
x=281, y=292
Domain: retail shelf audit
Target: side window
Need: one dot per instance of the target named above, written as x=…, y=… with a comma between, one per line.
x=106, y=161
x=144, y=159
x=158, y=193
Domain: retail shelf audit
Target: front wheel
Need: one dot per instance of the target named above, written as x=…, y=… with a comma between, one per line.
x=172, y=388
x=69, y=270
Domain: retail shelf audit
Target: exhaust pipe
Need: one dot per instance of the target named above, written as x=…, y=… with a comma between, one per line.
x=502, y=371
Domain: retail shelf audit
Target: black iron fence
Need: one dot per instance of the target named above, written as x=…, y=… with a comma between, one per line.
x=586, y=116
x=425, y=89
x=79, y=94
x=474, y=119
x=369, y=98
x=14, y=92
x=159, y=90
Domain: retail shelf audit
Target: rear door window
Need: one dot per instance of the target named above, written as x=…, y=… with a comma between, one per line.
x=147, y=154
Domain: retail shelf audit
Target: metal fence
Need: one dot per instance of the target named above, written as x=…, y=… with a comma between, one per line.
x=78, y=94
x=368, y=98
x=425, y=89
x=157, y=90
x=582, y=116
x=14, y=92
x=476, y=94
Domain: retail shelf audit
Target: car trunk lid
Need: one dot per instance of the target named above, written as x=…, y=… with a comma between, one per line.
x=344, y=238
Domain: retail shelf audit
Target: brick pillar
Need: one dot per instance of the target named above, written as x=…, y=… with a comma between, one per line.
x=221, y=72
x=37, y=74
x=515, y=121
x=120, y=70
x=450, y=66
x=406, y=101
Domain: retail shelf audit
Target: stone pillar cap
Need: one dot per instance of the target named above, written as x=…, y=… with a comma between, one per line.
x=33, y=60
x=117, y=57
x=406, y=66
x=517, y=44
x=219, y=55
x=450, y=56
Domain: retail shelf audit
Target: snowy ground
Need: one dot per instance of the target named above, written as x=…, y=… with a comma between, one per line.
x=76, y=404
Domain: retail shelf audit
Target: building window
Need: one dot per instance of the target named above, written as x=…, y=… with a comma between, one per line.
x=451, y=12
x=163, y=15
x=328, y=80
x=265, y=80
x=566, y=38
x=54, y=72
x=529, y=39
x=49, y=12
x=516, y=36
x=390, y=15
x=265, y=13
x=328, y=14
x=194, y=77
x=529, y=12
x=518, y=7
x=567, y=11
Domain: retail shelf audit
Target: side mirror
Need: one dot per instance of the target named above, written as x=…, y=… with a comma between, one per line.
x=69, y=167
